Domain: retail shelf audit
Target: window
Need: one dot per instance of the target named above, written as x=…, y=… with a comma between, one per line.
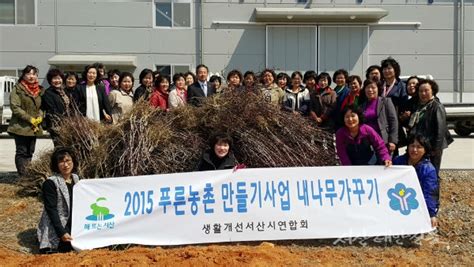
x=173, y=13
x=172, y=69
x=17, y=12
x=11, y=72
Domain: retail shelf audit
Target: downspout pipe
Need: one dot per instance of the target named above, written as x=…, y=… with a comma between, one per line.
x=461, y=59
x=55, y=27
x=201, y=33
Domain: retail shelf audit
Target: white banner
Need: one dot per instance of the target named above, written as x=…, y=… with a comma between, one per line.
x=249, y=204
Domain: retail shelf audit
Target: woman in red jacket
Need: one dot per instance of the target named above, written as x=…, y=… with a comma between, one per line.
x=159, y=97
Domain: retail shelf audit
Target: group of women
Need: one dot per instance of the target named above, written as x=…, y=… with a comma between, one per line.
x=370, y=119
x=383, y=115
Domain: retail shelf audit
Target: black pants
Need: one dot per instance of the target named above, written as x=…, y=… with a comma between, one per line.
x=54, y=136
x=63, y=247
x=25, y=148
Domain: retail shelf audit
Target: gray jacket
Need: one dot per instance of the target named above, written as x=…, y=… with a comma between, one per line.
x=47, y=236
x=386, y=119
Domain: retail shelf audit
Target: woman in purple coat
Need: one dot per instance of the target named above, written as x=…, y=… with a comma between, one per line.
x=380, y=114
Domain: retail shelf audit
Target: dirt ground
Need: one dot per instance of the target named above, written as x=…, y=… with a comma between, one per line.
x=452, y=245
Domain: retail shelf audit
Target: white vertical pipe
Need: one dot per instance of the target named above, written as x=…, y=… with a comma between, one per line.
x=201, y=33
x=55, y=27
x=461, y=47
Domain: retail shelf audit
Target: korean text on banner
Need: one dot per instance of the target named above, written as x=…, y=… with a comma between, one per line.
x=249, y=204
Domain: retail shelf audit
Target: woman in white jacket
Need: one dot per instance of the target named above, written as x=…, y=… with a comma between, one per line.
x=296, y=97
x=177, y=97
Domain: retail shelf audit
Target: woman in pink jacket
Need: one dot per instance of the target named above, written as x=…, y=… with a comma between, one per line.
x=358, y=143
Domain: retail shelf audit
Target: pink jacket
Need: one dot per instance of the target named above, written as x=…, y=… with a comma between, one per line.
x=344, y=139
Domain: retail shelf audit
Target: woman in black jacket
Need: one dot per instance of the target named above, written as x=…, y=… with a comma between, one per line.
x=429, y=120
x=219, y=156
x=91, y=98
x=146, y=86
x=70, y=80
x=406, y=109
x=55, y=103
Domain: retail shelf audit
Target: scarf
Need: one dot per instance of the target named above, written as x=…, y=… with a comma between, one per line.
x=149, y=90
x=339, y=89
x=182, y=94
x=32, y=88
x=65, y=98
x=320, y=90
x=418, y=114
x=92, y=103
x=388, y=88
x=351, y=99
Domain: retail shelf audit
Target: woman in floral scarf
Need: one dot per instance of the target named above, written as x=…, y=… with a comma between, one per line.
x=25, y=123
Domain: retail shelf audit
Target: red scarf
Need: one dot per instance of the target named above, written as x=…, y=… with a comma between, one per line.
x=32, y=88
x=320, y=90
x=351, y=99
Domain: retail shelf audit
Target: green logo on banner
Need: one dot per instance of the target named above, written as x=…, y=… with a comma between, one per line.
x=99, y=213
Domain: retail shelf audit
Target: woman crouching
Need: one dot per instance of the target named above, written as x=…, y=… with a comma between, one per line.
x=54, y=229
x=356, y=143
x=219, y=156
x=418, y=156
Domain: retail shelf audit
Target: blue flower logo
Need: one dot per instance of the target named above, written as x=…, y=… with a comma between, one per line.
x=402, y=199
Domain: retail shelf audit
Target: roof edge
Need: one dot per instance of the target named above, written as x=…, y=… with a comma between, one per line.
x=355, y=15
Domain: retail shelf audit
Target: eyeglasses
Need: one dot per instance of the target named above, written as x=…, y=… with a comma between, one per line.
x=66, y=161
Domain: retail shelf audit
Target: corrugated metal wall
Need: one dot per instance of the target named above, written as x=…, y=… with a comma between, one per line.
x=126, y=27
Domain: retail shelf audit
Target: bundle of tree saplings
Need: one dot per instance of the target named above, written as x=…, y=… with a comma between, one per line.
x=151, y=141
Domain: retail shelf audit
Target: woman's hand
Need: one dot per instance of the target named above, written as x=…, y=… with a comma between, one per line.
x=107, y=117
x=388, y=163
x=391, y=147
x=36, y=121
x=66, y=237
x=434, y=222
x=405, y=116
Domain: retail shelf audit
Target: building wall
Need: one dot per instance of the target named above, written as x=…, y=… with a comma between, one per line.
x=126, y=28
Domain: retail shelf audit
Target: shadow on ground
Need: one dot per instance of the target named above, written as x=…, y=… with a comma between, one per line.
x=28, y=240
x=8, y=178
